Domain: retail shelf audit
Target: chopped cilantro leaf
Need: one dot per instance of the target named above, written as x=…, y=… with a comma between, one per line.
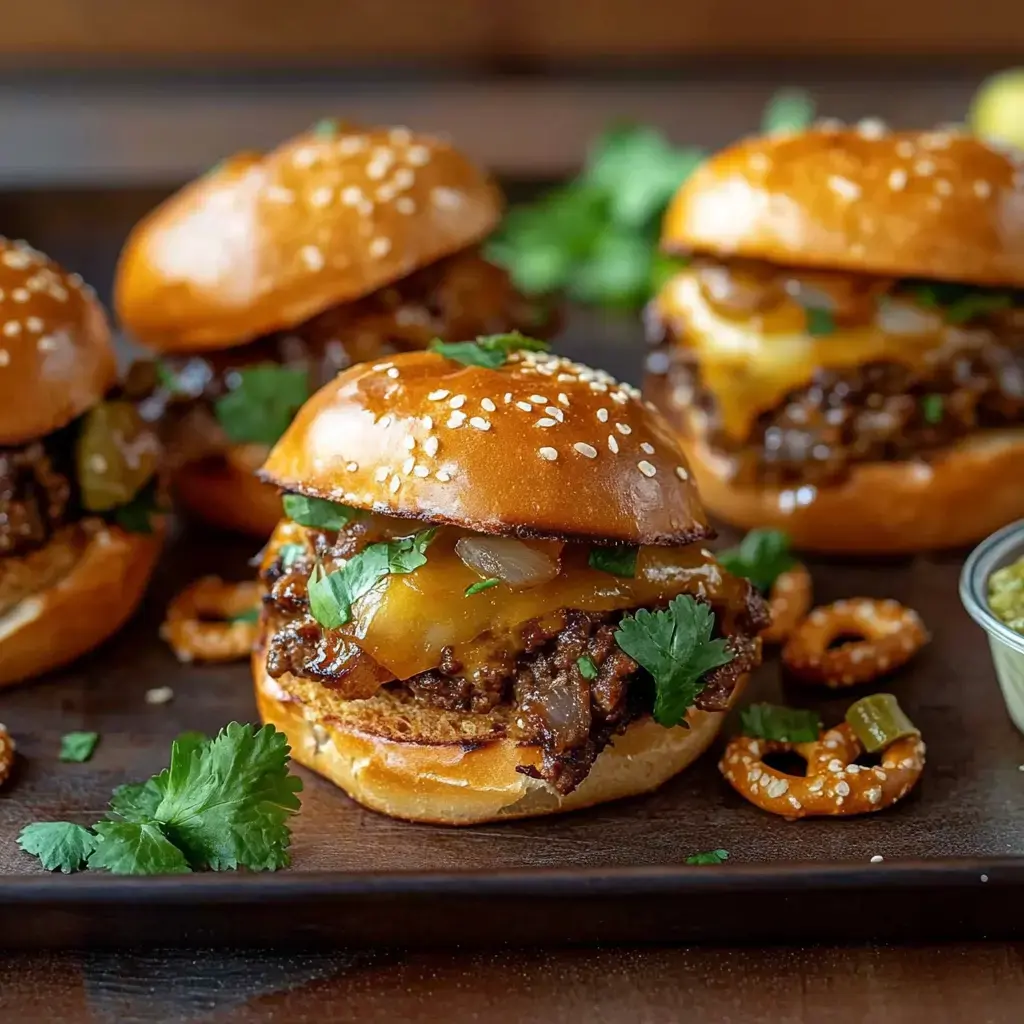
x=619, y=560
x=789, y=110
x=710, y=857
x=475, y=588
x=932, y=408
x=317, y=512
x=289, y=554
x=59, y=845
x=820, y=321
x=326, y=127
x=331, y=595
x=78, y=746
x=261, y=402
x=676, y=648
x=490, y=351
x=762, y=556
x=138, y=514
x=249, y=615
x=587, y=667
x=774, y=722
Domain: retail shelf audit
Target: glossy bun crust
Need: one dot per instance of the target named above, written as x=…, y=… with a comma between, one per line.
x=413, y=764
x=540, y=446
x=56, y=360
x=262, y=243
x=904, y=204
x=957, y=498
x=82, y=609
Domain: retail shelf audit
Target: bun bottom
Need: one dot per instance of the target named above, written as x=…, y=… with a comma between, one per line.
x=82, y=609
x=422, y=777
x=956, y=498
x=225, y=492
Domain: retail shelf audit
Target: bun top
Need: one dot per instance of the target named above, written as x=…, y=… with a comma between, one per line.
x=56, y=359
x=539, y=446
x=262, y=243
x=906, y=204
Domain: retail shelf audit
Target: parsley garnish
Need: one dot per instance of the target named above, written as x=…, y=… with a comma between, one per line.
x=774, y=722
x=932, y=407
x=676, y=648
x=78, y=746
x=261, y=402
x=789, y=110
x=710, y=857
x=762, y=556
x=317, y=512
x=331, y=595
x=587, y=667
x=619, y=560
x=475, y=588
x=137, y=515
x=820, y=321
x=491, y=350
x=222, y=804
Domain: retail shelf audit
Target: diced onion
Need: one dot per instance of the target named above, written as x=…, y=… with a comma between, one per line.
x=515, y=563
x=895, y=317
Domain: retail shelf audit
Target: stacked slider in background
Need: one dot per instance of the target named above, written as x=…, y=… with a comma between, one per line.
x=260, y=281
x=77, y=469
x=844, y=355
x=490, y=597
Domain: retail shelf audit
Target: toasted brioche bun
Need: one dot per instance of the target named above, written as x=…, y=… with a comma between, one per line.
x=81, y=609
x=265, y=242
x=589, y=460
x=408, y=762
x=906, y=204
x=957, y=497
x=225, y=492
x=56, y=359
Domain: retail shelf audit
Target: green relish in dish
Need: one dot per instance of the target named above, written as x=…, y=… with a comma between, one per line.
x=1006, y=595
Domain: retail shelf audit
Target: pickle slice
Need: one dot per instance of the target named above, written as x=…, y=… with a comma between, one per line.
x=116, y=455
x=878, y=721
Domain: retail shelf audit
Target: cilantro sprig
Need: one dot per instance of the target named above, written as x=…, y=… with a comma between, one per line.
x=489, y=350
x=331, y=595
x=261, y=402
x=221, y=804
x=78, y=746
x=708, y=857
x=775, y=722
x=762, y=556
x=676, y=648
x=618, y=561
x=317, y=512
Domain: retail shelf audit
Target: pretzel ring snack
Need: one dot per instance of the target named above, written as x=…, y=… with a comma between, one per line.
x=833, y=785
x=892, y=636
x=204, y=621
x=789, y=600
x=7, y=749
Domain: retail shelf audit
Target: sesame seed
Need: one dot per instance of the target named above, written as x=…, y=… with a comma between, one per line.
x=844, y=188
x=393, y=372
x=379, y=367
x=480, y=423
x=982, y=189
x=321, y=196
x=646, y=468
x=525, y=406
x=456, y=420
x=613, y=445
x=348, y=145
x=458, y=402
x=545, y=421
x=443, y=476
x=623, y=428
x=428, y=422
x=924, y=167
x=598, y=386
x=586, y=449
x=488, y=404
x=304, y=157
x=905, y=149
x=563, y=398
x=365, y=207
x=46, y=344
x=871, y=128
x=877, y=859
x=312, y=257
x=548, y=454
x=5, y=357
x=602, y=415
x=385, y=420
x=34, y=324
x=421, y=471
x=403, y=204
x=417, y=155
x=556, y=413
x=681, y=473
x=508, y=397
x=407, y=465
x=897, y=179
x=16, y=259
x=400, y=136
x=539, y=399
x=159, y=695
x=12, y=328
x=437, y=396
x=430, y=446
x=646, y=448
x=396, y=482
x=943, y=187
x=843, y=787
x=385, y=193
x=383, y=472
x=445, y=198
x=352, y=466
x=380, y=247
x=403, y=178
x=409, y=442
x=621, y=397
x=352, y=195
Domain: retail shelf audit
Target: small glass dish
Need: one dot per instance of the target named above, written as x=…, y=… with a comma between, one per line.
x=1004, y=547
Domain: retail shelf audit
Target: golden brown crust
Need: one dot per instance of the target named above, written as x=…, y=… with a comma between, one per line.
x=906, y=204
x=222, y=492
x=956, y=498
x=56, y=359
x=265, y=242
x=82, y=609
x=540, y=446
x=465, y=783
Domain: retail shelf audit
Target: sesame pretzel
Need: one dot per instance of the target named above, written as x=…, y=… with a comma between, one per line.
x=892, y=636
x=7, y=749
x=789, y=600
x=834, y=784
x=196, y=624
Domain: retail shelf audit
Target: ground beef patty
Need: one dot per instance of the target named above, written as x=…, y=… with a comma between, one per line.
x=34, y=498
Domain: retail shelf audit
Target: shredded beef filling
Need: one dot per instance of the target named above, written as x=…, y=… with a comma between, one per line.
x=35, y=497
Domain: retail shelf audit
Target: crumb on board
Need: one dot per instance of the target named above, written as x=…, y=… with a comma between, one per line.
x=159, y=695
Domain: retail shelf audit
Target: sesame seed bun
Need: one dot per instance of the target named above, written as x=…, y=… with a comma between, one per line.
x=261, y=243
x=906, y=204
x=56, y=359
x=539, y=446
x=418, y=763
x=106, y=577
